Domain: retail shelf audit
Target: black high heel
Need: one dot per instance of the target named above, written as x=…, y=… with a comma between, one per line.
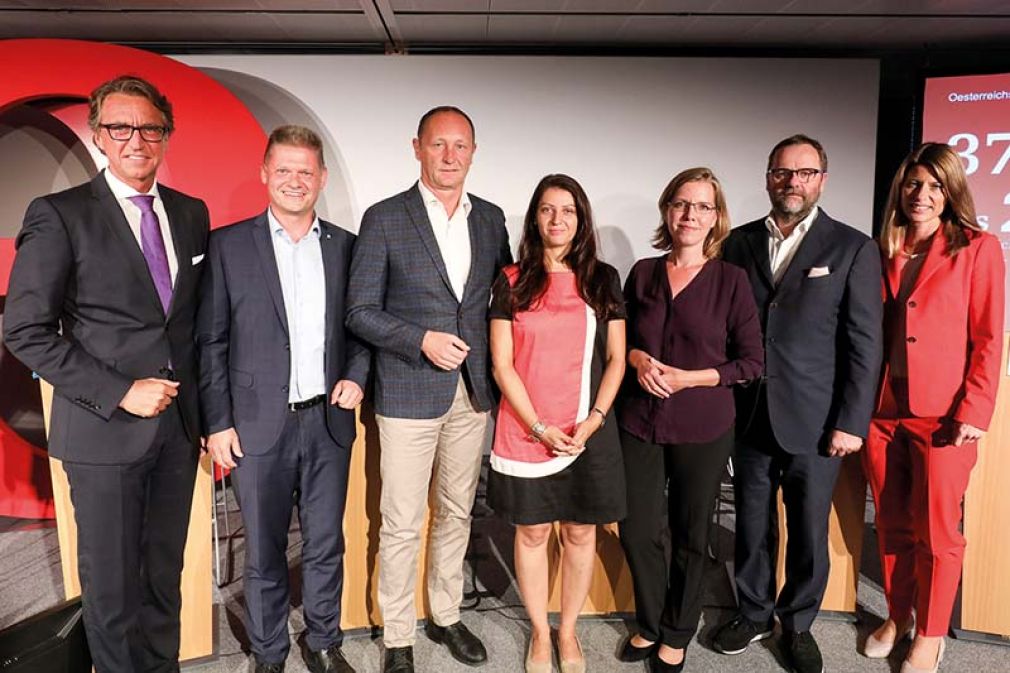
x=657, y=665
x=630, y=652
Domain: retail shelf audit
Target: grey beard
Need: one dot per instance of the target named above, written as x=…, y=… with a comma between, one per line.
x=781, y=207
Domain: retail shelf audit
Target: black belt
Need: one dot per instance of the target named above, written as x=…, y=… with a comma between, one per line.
x=306, y=404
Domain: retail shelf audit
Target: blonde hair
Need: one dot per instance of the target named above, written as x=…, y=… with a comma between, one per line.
x=661, y=237
x=958, y=216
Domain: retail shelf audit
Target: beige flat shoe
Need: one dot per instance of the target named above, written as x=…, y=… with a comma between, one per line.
x=909, y=668
x=578, y=666
x=536, y=666
x=881, y=649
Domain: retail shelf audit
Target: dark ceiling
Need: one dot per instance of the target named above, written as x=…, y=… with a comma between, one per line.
x=830, y=26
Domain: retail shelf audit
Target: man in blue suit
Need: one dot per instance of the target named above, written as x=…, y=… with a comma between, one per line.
x=816, y=283
x=279, y=380
x=419, y=291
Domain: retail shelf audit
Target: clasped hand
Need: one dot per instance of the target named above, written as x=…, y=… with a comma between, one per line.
x=564, y=445
x=659, y=379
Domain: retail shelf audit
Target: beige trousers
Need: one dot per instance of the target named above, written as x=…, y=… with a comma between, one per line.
x=445, y=453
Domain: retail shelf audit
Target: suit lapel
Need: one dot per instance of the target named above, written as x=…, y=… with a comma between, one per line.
x=810, y=249
x=892, y=276
x=758, y=242
x=178, y=224
x=474, y=222
x=335, y=281
x=116, y=221
x=419, y=216
x=268, y=264
x=935, y=258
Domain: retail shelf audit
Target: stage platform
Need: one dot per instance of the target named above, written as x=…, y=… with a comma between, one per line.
x=31, y=580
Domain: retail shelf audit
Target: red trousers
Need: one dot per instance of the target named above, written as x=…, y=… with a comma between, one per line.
x=918, y=479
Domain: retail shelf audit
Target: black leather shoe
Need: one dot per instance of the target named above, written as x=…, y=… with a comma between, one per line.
x=463, y=645
x=630, y=653
x=330, y=660
x=804, y=655
x=399, y=660
x=264, y=667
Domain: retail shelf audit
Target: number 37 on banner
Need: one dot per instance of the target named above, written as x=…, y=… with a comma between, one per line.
x=985, y=159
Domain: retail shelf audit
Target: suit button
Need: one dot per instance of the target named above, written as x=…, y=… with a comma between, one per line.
x=911, y=304
x=910, y=340
x=771, y=340
x=774, y=304
x=287, y=347
x=284, y=388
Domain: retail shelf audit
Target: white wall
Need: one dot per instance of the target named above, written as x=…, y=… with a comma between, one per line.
x=621, y=126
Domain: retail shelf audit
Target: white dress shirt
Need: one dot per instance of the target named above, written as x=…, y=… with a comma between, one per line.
x=121, y=191
x=452, y=235
x=782, y=249
x=303, y=283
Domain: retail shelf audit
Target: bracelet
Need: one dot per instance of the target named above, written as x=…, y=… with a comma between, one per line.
x=603, y=416
x=538, y=429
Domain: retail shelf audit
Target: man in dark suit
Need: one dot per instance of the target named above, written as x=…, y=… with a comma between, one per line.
x=102, y=305
x=816, y=282
x=279, y=379
x=419, y=292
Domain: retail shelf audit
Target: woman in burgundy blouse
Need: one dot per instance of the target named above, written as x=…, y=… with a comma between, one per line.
x=693, y=332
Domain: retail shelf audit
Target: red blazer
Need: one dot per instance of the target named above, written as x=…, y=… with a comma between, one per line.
x=954, y=318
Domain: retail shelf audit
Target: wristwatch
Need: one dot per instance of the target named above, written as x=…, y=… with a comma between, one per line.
x=603, y=416
x=538, y=429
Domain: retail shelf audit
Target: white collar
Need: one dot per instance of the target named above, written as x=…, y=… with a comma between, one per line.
x=801, y=227
x=121, y=190
x=276, y=226
x=430, y=199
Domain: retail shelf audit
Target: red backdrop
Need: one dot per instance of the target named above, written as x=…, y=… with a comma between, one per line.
x=214, y=154
x=972, y=114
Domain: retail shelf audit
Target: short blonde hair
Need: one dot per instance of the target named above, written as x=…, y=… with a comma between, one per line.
x=661, y=237
x=296, y=136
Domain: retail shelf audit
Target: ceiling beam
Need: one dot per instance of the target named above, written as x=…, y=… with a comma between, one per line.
x=382, y=17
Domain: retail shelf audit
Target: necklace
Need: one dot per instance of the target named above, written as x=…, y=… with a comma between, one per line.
x=918, y=249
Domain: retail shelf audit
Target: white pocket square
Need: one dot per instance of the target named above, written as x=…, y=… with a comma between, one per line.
x=818, y=271
x=197, y=259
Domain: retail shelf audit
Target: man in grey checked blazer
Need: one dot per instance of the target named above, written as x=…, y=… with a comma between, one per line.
x=419, y=291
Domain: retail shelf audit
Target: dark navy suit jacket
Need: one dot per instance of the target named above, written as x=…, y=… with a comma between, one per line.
x=242, y=333
x=822, y=330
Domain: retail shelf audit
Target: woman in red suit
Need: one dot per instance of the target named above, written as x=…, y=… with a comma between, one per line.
x=943, y=327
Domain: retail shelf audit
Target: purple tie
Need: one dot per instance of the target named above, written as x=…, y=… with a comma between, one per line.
x=153, y=245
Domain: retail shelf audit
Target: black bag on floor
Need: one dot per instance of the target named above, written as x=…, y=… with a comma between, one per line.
x=49, y=642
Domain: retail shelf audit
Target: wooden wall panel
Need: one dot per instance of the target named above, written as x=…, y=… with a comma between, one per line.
x=611, y=590
x=197, y=628
x=985, y=589
x=845, y=538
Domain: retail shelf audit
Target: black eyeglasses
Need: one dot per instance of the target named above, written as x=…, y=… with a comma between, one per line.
x=122, y=132
x=700, y=207
x=784, y=174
